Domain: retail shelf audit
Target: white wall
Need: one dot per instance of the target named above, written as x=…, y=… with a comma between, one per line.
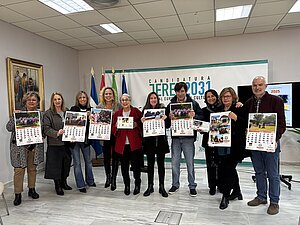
x=60, y=74
x=281, y=48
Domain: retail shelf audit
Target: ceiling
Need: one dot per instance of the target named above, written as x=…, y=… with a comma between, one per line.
x=146, y=21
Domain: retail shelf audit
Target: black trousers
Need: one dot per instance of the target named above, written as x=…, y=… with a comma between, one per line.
x=228, y=176
x=58, y=162
x=160, y=165
x=211, y=167
x=134, y=158
x=109, y=156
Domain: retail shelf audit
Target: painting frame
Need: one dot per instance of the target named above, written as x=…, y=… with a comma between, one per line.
x=18, y=85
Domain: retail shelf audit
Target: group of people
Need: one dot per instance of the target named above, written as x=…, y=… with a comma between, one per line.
x=127, y=146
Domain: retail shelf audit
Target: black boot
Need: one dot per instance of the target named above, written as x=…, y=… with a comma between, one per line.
x=224, y=202
x=149, y=190
x=65, y=185
x=127, y=190
x=235, y=195
x=108, y=180
x=18, y=199
x=137, y=189
x=115, y=167
x=58, y=188
x=162, y=191
x=32, y=193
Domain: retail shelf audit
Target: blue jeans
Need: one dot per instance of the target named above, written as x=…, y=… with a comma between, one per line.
x=185, y=145
x=266, y=166
x=77, y=165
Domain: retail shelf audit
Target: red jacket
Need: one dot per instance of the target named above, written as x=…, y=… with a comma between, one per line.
x=134, y=135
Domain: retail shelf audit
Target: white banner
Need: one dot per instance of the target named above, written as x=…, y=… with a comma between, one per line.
x=199, y=78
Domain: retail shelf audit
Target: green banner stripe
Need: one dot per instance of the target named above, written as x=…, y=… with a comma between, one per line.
x=191, y=66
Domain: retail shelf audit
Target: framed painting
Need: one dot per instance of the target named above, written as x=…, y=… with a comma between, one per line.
x=23, y=77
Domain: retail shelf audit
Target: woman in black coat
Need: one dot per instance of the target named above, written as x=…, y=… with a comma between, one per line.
x=211, y=99
x=155, y=145
x=229, y=157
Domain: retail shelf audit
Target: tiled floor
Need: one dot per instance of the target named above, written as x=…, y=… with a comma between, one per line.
x=102, y=206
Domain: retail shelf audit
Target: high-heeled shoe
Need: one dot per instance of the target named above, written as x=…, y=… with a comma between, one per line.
x=224, y=203
x=235, y=195
x=149, y=190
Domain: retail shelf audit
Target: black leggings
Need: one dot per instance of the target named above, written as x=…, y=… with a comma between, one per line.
x=160, y=164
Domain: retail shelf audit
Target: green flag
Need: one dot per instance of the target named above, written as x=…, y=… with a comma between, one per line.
x=114, y=84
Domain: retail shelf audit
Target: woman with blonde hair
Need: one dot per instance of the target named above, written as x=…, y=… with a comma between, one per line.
x=108, y=100
x=82, y=104
x=26, y=156
x=58, y=157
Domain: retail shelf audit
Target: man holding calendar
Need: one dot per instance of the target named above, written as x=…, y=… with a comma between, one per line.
x=183, y=144
x=266, y=164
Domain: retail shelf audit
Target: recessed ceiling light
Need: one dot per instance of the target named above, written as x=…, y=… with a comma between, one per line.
x=67, y=6
x=231, y=13
x=296, y=7
x=111, y=28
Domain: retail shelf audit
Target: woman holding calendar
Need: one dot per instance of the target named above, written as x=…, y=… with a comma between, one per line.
x=58, y=156
x=155, y=145
x=26, y=156
x=228, y=179
x=127, y=128
x=108, y=100
x=82, y=105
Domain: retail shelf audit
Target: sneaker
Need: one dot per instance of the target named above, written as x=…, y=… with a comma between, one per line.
x=256, y=201
x=273, y=209
x=173, y=189
x=193, y=192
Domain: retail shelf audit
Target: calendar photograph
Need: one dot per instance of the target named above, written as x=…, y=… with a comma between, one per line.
x=100, y=124
x=154, y=124
x=201, y=126
x=220, y=130
x=150, y=114
x=261, y=135
x=181, y=110
x=28, y=128
x=181, y=124
x=125, y=122
x=75, y=126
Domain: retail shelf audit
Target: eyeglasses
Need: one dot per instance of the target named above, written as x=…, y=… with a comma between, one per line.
x=227, y=96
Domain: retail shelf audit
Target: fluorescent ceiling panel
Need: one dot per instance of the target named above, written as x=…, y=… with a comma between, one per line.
x=295, y=8
x=231, y=13
x=111, y=28
x=67, y=6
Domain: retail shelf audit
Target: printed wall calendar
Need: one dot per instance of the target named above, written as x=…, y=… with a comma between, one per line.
x=75, y=126
x=261, y=135
x=125, y=122
x=28, y=128
x=100, y=124
x=181, y=124
x=220, y=130
x=154, y=124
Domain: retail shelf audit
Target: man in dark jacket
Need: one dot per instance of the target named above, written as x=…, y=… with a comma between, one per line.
x=266, y=163
x=183, y=144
